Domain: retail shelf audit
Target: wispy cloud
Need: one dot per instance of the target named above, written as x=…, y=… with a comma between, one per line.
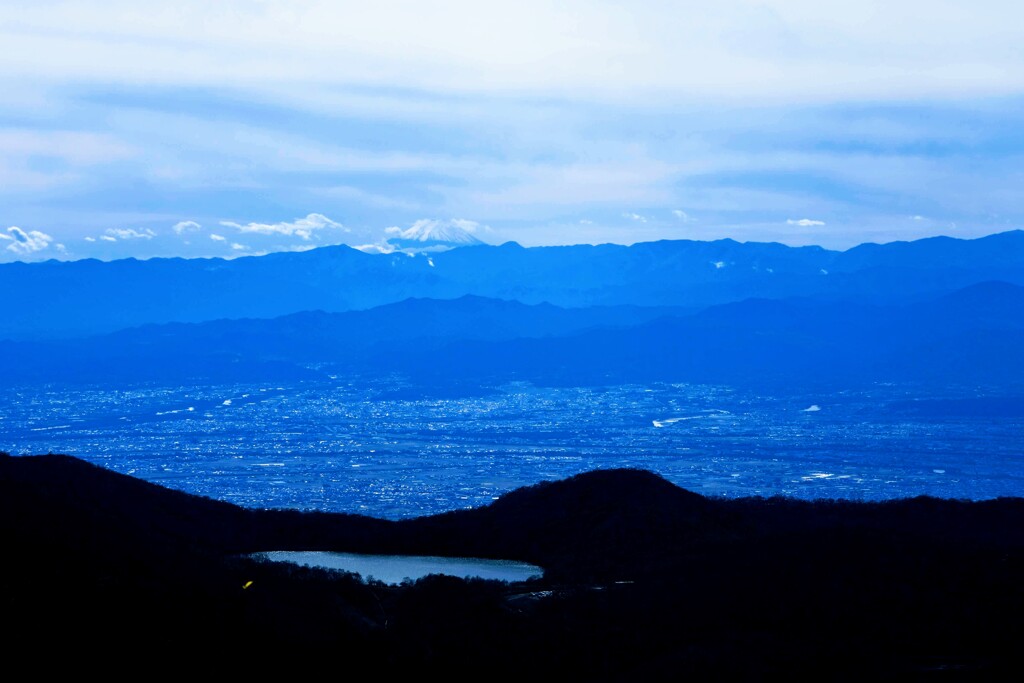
x=374, y=200
x=635, y=217
x=776, y=48
x=131, y=233
x=218, y=238
x=23, y=243
x=303, y=228
x=75, y=148
x=465, y=224
x=518, y=187
x=534, y=117
x=186, y=226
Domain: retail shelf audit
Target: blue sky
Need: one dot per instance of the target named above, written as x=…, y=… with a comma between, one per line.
x=233, y=128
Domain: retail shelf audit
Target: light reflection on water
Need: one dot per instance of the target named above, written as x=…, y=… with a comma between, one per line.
x=394, y=569
x=353, y=449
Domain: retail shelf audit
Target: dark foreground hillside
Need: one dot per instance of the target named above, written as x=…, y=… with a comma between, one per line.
x=644, y=581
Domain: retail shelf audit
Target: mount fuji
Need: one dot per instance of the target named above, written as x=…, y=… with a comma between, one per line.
x=432, y=235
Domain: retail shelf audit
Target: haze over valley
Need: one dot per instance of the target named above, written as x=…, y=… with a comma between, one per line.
x=431, y=381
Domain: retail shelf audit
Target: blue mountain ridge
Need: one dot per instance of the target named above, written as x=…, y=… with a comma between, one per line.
x=972, y=335
x=71, y=299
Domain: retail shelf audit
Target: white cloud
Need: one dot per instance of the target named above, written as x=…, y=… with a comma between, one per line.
x=464, y=127
x=238, y=247
x=804, y=222
x=108, y=238
x=90, y=239
x=379, y=201
x=378, y=248
x=520, y=190
x=464, y=224
x=186, y=226
x=218, y=238
x=301, y=227
x=22, y=242
x=635, y=217
x=72, y=147
x=130, y=234
x=783, y=48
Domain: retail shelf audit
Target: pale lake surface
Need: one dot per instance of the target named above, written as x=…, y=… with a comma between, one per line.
x=394, y=569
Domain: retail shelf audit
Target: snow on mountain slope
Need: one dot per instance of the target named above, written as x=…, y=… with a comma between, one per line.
x=434, y=235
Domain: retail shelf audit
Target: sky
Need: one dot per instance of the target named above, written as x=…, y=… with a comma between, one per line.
x=223, y=129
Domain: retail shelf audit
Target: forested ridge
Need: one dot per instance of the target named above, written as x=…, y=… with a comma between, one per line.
x=642, y=579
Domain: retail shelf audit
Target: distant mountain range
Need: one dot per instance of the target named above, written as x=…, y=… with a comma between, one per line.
x=973, y=336
x=937, y=312
x=67, y=299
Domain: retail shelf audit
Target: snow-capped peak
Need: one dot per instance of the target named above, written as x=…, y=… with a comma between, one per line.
x=434, y=235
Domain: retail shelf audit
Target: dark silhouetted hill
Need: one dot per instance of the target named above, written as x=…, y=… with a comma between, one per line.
x=644, y=581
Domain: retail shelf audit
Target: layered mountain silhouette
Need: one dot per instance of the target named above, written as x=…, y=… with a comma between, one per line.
x=643, y=580
x=63, y=299
x=973, y=335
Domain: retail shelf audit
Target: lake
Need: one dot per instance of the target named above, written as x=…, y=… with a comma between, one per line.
x=393, y=569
